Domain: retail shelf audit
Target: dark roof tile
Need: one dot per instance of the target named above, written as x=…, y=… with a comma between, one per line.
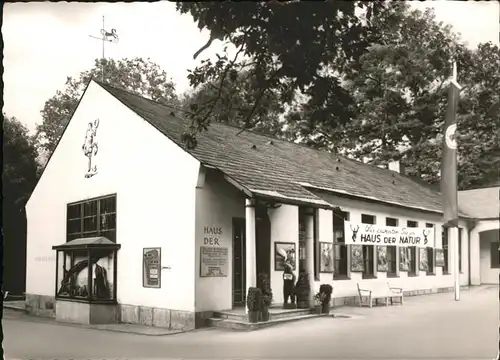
x=282, y=165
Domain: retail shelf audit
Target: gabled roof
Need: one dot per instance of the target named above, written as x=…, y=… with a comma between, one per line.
x=481, y=203
x=281, y=169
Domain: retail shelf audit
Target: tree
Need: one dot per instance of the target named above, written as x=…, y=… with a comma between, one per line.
x=479, y=120
x=19, y=178
x=400, y=94
x=286, y=47
x=139, y=76
x=236, y=100
x=20, y=166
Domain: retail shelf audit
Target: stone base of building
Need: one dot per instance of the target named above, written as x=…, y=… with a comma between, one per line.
x=45, y=306
x=86, y=313
x=41, y=305
x=164, y=318
x=354, y=300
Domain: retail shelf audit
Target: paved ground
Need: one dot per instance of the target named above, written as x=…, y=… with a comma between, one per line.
x=426, y=327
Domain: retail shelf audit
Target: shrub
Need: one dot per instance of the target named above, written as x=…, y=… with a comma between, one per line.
x=265, y=287
x=326, y=289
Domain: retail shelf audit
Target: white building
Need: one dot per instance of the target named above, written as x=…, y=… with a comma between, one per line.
x=196, y=226
x=484, y=206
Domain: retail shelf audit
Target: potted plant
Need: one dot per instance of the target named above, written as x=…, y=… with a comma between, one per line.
x=253, y=304
x=266, y=297
x=302, y=291
x=326, y=290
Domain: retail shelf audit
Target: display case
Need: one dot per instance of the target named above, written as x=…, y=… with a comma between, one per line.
x=86, y=270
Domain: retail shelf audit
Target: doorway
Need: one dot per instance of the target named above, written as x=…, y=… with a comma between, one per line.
x=239, y=263
x=262, y=252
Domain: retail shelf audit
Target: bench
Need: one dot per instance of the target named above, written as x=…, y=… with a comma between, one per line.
x=379, y=290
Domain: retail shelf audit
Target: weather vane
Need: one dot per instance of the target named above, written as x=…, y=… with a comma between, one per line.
x=111, y=37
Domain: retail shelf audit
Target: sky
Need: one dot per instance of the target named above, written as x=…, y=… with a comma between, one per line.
x=45, y=42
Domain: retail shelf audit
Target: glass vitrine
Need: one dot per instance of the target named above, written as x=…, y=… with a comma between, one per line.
x=86, y=270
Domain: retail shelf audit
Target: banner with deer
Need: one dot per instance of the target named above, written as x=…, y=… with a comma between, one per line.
x=366, y=234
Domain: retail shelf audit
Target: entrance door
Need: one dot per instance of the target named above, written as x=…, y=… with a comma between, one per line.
x=239, y=264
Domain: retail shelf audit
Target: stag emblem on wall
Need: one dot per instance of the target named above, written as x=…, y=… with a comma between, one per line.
x=90, y=147
x=354, y=232
x=425, y=233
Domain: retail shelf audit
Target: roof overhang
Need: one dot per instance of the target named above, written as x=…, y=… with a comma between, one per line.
x=276, y=196
x=373, y=199
x=269, y=195
x=319, y=202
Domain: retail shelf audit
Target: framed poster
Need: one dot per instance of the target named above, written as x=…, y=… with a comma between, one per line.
x=326, y=258
x=151, y=267
x=404, y=260
x=284, y=252
x=439, y=257
x=213, y=261
x=381, y=258
x=424, y=261
x=357, y=258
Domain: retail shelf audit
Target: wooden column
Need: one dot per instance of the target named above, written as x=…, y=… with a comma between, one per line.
x=309, y=222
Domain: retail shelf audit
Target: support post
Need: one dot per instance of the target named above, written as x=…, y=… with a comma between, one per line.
x=456, y=270
x=309, y=222
x=251, y=275
x=475, y=258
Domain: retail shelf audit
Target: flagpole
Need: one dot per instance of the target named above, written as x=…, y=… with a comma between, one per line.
x=449, y=178
x=454, y=230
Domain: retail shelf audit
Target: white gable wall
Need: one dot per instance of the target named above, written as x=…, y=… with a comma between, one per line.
x=155, y=184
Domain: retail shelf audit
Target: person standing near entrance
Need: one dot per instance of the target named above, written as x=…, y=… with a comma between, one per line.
x=288, y=284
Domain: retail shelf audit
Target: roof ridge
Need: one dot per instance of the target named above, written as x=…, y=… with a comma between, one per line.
x=142, y=97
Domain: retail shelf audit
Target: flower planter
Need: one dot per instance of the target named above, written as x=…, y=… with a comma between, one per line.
x=303, y=304
x=254, y=303
x=317, y=310
x=264, y=314
x=325, y=308
x=325, y=295
x=253, y=316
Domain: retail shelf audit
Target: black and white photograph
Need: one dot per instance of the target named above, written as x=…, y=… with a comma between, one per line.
x=326, y=261
x=423, y=260
x=357, y=260
x=404, y=259
x=382, y=258
x=284, y=254
x=440, y=258
x=259, y=179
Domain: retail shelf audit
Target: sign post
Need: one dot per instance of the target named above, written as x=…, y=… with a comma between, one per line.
x=449, y=188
